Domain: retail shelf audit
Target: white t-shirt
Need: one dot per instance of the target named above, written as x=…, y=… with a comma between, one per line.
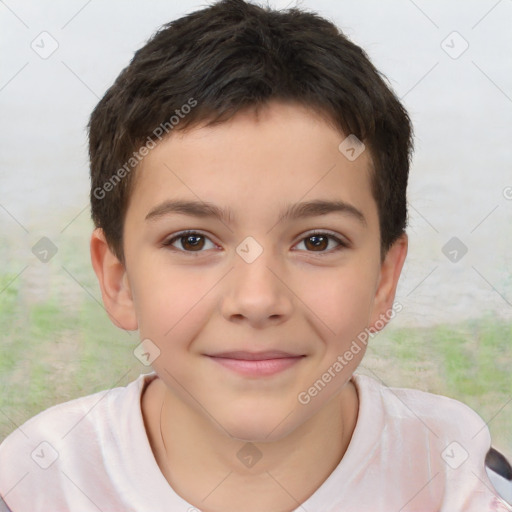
x=410, y=451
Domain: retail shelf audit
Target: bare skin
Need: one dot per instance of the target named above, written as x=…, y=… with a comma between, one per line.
x=273, y=483
x=197, y=299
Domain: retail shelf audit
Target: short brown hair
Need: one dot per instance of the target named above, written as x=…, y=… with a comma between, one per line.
x=233, y=56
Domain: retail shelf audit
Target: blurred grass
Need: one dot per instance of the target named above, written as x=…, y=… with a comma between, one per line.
x=51, y=353
x=55, y=350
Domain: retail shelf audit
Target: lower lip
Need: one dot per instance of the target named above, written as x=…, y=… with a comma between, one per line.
x=258, y=368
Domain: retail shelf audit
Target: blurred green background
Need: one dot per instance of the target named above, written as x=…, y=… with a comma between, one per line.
x=58, y=343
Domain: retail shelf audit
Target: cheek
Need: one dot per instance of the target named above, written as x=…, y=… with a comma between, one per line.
x=170, y=302
x=340, y=300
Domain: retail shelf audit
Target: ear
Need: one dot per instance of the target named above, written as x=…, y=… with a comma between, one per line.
x=114, y=283
x=390, y=271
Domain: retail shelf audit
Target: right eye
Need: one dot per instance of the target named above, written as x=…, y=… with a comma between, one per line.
x=190, y=241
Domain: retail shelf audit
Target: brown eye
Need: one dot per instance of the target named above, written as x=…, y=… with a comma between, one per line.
x=188, y=242
x=192, y=242
x=318, y=242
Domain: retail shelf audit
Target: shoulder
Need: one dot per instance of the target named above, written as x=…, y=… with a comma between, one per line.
x=429, y=438
x=60, y=420
x=446, y=417
x=60, y=439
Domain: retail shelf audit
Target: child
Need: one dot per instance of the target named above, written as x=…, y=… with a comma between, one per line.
x=249, y=171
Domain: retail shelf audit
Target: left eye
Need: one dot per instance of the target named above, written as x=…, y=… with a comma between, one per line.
x=320, y=241
x=192, y=241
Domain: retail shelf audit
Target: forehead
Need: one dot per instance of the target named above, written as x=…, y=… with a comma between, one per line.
x=282, y=154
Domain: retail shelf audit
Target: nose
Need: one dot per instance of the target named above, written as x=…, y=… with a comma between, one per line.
x=256, y=292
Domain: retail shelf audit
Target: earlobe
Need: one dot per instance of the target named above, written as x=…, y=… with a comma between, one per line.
x=390, y=271
x=114, y=283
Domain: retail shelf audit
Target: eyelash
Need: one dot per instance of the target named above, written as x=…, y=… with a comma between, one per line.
x=342, y=244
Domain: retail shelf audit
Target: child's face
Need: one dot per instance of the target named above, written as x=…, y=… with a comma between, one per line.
x=203, y=297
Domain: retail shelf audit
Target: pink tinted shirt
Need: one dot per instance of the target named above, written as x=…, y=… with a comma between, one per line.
x=410, y=451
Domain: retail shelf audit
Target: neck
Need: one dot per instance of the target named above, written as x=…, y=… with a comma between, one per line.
x=215, y=472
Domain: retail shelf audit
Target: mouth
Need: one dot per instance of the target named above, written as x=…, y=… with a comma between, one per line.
x=256, y=364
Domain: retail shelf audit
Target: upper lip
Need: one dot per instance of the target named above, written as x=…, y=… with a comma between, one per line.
x=255, y=356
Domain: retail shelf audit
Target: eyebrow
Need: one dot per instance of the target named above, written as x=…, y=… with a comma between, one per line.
x=294, y=211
